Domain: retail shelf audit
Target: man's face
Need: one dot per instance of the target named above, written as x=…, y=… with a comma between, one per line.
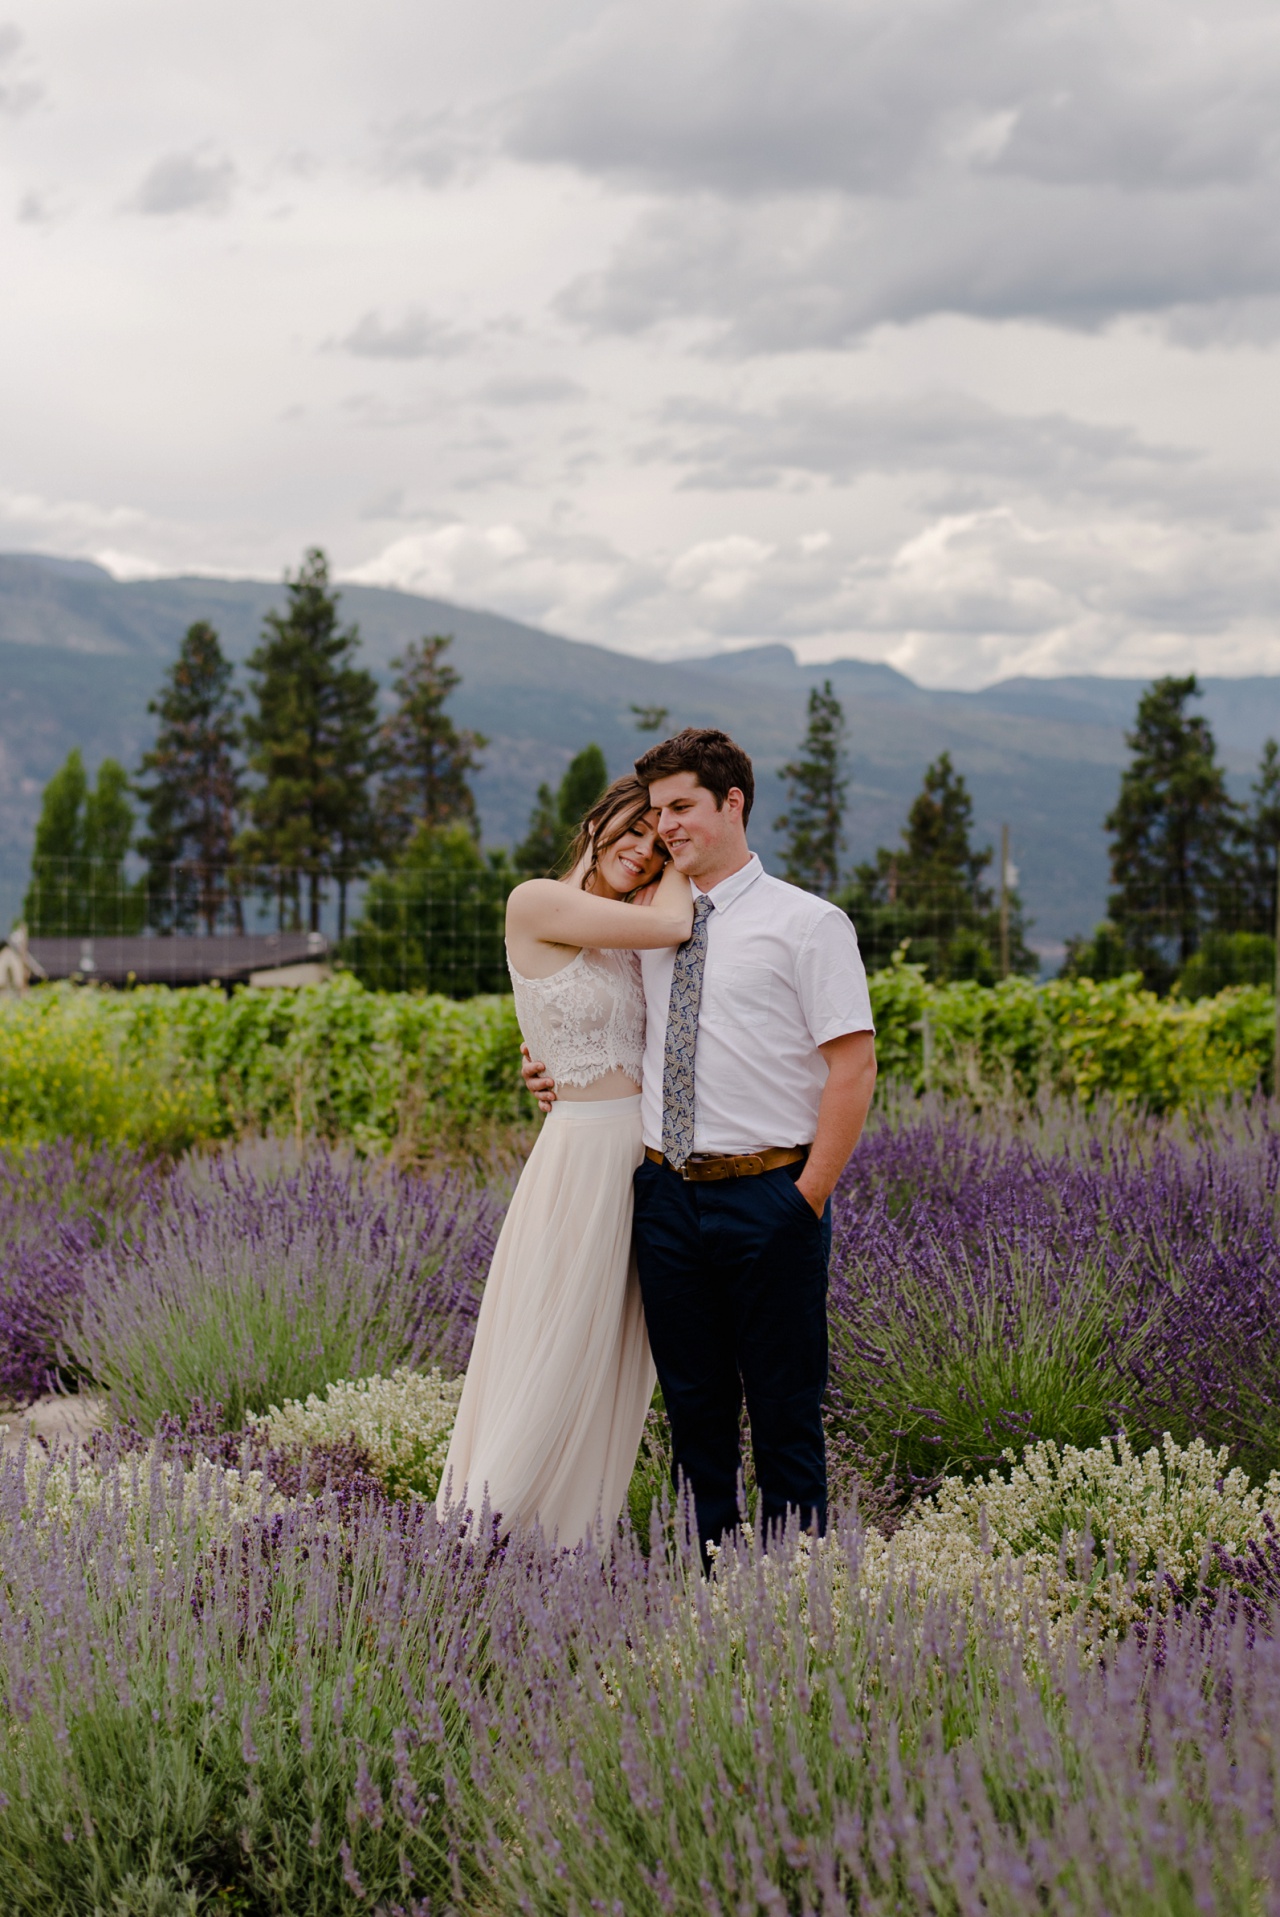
x=698, y=834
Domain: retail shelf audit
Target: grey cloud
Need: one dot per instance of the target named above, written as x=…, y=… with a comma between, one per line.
x=416, y=335
x=34, y=210
x=777, y=278
x=432, y=149
x=195, y=182
x=822, y=169
x=985, y=451
x=744, y=99
x=517, y=389
x=17, y=94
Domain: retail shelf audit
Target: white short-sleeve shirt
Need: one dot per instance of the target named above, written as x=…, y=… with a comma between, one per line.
x=783, y=975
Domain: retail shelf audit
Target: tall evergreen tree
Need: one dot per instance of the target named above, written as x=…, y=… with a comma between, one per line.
x=814, y=818
x=930, y=891
x=1172, y=831
x=426, y=758
x=538, y=851
x=1253, y=908
x=556, y=816
x=938, y=861
x=311, y=744
x=585, y=779
x=194, y=789
x=78, y=886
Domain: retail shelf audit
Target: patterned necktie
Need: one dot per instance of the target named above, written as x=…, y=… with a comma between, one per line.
x=682, y=1038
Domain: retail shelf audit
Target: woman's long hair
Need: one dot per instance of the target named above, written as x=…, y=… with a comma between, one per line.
x=620, y=806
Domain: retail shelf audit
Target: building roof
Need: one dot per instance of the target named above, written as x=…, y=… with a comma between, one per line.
x=173, y=961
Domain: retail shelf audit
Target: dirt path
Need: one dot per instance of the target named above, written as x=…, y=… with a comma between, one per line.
x=52, y=1418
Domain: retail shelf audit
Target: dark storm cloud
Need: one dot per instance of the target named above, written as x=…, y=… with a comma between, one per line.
x=821, y=169
x=415, y=335
x=195, y=182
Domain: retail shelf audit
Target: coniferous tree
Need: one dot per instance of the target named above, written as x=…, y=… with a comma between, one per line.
x=78, y=886
x=1172, y=832
x=585, y=779
x=51, y=907
x=1255, y=901
x=929, y=892
x=556, y=816
x=194, y=789
x=537, y=852
x=815, y=815
x=311, y=744
x=426, y=758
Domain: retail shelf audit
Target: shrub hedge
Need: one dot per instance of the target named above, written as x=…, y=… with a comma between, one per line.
x=166, y=1069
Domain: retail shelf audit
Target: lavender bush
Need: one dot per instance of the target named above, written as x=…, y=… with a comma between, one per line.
x=757, y=1744
x=58, y=1204
x=312, y=1715
x=246, y=1288
x=269, y=1723
x=995, y=1285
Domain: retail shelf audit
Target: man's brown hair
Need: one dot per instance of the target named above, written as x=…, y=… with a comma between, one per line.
x=715, y=761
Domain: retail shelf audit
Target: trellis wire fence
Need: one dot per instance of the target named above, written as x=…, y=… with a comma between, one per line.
x=442, y=930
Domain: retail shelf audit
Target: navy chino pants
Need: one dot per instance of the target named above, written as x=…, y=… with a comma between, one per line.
x=733, y=1275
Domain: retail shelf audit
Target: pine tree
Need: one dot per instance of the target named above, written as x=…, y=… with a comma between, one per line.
x=426, y=757
x=815, y=816
x=556, y=817
x=1172, y=831
x=537, y=853
x=938, y=864
x=583, y=782
x=311, y=744
x=930, y=893
x=195, y=789
x=1255, y=902
x=78, y=886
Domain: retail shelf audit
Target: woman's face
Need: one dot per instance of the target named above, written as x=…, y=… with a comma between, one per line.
x=634, y=858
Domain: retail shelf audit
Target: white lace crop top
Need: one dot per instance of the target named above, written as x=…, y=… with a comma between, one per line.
x=586, y=1019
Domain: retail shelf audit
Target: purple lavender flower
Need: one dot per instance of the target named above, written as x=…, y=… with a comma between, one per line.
x=58, y=1204
x=245, y=1290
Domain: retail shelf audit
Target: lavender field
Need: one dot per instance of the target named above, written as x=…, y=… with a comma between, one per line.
x=1034, y=1665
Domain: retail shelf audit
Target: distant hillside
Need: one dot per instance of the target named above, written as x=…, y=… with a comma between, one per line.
x=81, y=653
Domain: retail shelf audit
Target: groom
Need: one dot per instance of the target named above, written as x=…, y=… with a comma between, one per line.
x=758, y=1073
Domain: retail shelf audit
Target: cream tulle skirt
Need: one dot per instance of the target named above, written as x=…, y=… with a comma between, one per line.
x=560, y=1375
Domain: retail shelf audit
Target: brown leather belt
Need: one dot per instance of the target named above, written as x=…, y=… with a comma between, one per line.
x=704, y=1167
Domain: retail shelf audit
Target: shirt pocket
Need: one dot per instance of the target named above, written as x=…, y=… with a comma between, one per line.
x=744, y=993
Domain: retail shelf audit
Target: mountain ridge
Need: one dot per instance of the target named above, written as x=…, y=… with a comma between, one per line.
x=81, y=652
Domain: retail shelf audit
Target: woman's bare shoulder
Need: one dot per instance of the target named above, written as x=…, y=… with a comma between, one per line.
x=529, y=895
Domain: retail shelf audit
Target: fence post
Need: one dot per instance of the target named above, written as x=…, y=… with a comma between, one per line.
x=1004, y=901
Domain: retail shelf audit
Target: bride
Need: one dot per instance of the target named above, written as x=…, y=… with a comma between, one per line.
x=560, y=1375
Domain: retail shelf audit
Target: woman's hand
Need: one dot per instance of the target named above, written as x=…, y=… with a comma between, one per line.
x=538, y=1081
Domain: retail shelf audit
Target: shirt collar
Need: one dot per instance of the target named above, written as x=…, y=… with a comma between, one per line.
x=736, y=884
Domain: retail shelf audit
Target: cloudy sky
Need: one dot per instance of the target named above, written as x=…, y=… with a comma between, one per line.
x=945, y=332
